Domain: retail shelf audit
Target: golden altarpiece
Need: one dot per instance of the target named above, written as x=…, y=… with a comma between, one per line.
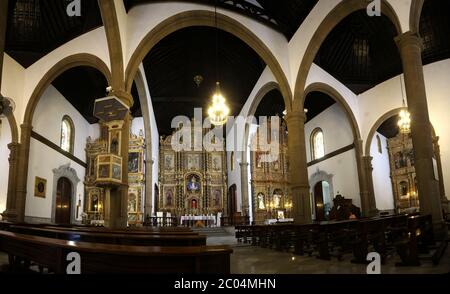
x=269, y=178
x=191, y=182
x=104, y=149
x=403, y=173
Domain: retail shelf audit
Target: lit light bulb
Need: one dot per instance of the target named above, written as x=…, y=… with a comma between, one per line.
x=218, y=112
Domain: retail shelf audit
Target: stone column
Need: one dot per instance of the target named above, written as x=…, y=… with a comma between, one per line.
x=410, y=51
x=364, y=166
x=298, y=170
x=11, y=212
x=244, y=187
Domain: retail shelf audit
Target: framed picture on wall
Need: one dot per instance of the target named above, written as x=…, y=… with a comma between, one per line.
x=40, y=187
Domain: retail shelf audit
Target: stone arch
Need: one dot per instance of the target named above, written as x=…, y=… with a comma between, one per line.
x=414, y=15
x=333, y=93
x=375, y=127
x=8, y=112
x=65, y=171
x=252, y=110
x=342, y=10
x=82, y=59
x=206, y=18
x=379, y=122
x=144, y=100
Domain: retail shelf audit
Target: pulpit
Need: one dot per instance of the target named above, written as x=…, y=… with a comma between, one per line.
x=108, y=170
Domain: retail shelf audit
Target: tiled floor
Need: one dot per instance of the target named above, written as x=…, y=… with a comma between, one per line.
x=248, y=259
x=255, y=260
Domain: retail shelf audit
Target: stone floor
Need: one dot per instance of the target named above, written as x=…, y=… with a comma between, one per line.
x=248, y=259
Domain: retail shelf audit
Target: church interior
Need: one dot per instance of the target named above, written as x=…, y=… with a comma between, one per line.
x=227, y=137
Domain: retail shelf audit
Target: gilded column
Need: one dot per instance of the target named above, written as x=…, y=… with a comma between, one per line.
x=410, y=46
x=301, y=210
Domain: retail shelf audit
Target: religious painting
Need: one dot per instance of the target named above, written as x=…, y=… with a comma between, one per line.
x=193, y=183
x=103, y=171
x=193, y=161
x=117, y=172
x=216, y=197
x=261, y=201
x=133, y=162
x=216, y=162
x=40, y=187
x=169, y=196
x=280, y=214
x=169, y=162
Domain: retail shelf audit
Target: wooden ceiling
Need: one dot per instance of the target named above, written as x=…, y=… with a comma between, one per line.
x=37, y=27
x=360, y=52
x=172, y=65
x=285, y=16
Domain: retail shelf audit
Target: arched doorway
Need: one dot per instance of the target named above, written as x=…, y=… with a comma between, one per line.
x=322, y=200
x=63, y=201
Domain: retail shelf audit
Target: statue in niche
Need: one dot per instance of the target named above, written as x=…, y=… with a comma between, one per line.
x=216, y=198
x=261, y=204
x=114, y=146
x=194, y=203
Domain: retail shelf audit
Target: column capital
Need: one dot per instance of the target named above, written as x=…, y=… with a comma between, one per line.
x=295, y=115
x=243, y=164
x=409, y=39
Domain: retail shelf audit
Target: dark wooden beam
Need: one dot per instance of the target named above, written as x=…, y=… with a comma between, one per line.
x=3, y=21
x=332, y=154
x=55, y=147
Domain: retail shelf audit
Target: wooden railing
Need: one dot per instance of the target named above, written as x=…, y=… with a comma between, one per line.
x=228, y=221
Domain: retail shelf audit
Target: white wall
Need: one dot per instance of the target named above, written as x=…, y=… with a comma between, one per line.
x=388, y=96
x=382, y=184
x=235, y=139
x=47, y=122
x=337, y=134
x=5, y=139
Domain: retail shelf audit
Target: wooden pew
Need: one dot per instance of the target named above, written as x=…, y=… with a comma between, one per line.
x=158, y=231
x=111, y=258
x=153, y=239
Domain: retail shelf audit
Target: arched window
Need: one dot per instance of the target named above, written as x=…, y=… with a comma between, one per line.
x=317, y=145
x=67, y=134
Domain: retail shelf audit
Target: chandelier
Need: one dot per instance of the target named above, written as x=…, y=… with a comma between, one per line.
x=404, y=121
x=218, y=111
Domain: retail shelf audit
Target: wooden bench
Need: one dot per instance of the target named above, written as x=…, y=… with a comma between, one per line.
x=155, y=231
x=152, y=239
x=111, y=258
